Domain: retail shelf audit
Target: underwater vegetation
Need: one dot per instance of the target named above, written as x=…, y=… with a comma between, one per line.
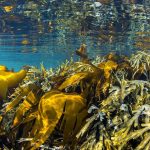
x=9, y=79
x=100, y=104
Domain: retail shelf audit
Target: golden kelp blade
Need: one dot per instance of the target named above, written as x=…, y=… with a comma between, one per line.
x=72, y=122
x=74, y=79
x=3, y=68
x=1, y=118
x=107, y=67
x=51, y=107
x=3, y=88
x=108, y=144
x=31, y=116
x=15, y=78
x=24, y=107
x=18, y=95
x=104, y=83
x=13, y=103
x=10, y=80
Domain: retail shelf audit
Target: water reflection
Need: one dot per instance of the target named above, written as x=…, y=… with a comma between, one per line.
x=50, y=31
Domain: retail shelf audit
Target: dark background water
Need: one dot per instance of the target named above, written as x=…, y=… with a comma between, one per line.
x=32, y=32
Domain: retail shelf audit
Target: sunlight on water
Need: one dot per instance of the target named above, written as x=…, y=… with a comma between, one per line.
x=50, y=31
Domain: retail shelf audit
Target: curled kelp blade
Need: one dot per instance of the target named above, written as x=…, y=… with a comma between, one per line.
x=9, y=79
x=51, y=107
x=15, y=78
x=3, y=68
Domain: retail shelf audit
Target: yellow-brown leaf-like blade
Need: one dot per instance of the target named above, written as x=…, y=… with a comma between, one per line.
x=11, y=105
x=108, y=144
x=3, y=68
x=51, y=107
x=19, y=94
x=14, y=79
x=3, y=88
x=24, y=107
x=74, y=79
x=1, y=118
x=10, y=80
x=107, y=67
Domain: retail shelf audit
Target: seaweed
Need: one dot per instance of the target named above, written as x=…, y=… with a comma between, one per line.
x=89, y=104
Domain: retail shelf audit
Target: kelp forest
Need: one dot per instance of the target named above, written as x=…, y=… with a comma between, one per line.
x=88, y=104
x=98, y=98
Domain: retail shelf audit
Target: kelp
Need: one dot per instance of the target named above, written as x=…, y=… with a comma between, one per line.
x=52, y=106
x=141, y=64
x=9, y=79
x=90, y=104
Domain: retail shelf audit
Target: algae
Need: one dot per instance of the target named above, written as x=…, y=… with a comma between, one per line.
x=89, y=104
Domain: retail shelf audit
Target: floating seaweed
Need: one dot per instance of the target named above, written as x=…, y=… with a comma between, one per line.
x=98, y=104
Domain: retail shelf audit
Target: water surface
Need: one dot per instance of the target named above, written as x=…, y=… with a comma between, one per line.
x=49, y=32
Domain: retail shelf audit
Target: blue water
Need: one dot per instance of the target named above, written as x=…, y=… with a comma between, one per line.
x=14, y=54
x=117, y=27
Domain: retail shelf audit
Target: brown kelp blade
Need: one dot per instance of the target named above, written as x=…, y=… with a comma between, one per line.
x=73, y=80
x=51, y=107
x=29, y=101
